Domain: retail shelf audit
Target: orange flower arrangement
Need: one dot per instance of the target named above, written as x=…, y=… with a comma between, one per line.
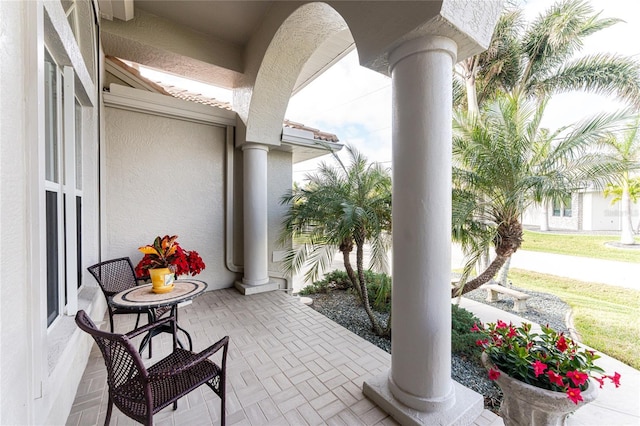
x=165, y=252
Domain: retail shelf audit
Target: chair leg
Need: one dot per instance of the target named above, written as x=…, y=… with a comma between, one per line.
x=150, y=319
x=222, y=398
x=109, y=408
x=111, y=319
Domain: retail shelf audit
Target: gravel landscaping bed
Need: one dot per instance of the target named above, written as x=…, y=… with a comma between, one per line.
x=542, y=308
x=342, y=307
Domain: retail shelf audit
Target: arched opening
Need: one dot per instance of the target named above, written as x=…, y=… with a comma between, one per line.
x=262, y=107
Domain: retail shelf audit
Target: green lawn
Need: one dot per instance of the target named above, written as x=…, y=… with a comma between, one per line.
x=579, y=245
x=605, y=316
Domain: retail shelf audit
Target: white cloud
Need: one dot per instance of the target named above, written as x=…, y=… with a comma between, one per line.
x=351, y=101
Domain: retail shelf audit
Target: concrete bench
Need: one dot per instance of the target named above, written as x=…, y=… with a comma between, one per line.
x=519, y=298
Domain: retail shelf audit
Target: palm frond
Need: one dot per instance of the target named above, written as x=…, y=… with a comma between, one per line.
x=557, y=34
x=604, y=74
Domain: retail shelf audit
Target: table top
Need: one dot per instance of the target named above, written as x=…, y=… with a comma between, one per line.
x=143, y=297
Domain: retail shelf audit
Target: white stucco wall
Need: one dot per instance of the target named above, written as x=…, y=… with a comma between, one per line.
x=591, y=211
x=601, y=215
x=166, y=176
x=39, y=368
x=15, y=333
x=280, y=180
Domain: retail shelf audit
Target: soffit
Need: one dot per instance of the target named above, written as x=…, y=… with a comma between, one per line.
x=232, y=21
x=227, y=25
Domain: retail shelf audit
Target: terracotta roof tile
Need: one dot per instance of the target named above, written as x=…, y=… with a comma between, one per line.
x=180, y=93
x=169, y=90
x=317, y=134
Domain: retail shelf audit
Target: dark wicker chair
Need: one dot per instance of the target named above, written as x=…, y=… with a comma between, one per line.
x=141, y=392
x=117, y=275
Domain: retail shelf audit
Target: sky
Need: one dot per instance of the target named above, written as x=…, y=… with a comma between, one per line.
x=355, y=103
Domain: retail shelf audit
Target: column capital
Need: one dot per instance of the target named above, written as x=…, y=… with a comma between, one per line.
x=422, y=44
x=254, y=145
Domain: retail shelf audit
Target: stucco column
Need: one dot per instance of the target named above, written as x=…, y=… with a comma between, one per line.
x=420, y=376
x=421, y=73
x=256, y=273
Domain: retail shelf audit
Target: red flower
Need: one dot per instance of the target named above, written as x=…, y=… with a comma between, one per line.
x=555, y=378
x=539, y=367
x=493, y=374
x=615, y=379
x=577, y=377
x=558, y=363
x=574, y=395
x=475, y=328
x=166, y=252
x=561, y=344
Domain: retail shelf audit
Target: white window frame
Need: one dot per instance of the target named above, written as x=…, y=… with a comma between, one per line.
x=67, y=190
x=56, y=186
x=562, y=207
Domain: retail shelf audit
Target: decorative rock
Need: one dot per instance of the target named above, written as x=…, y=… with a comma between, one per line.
x=306, y=300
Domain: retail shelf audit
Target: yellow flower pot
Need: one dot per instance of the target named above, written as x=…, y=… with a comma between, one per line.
x=162, y=280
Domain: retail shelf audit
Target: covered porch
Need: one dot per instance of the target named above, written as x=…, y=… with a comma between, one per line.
x=287, y=364
x=76, y=135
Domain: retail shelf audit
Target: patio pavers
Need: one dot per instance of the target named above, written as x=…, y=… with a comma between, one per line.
x=287, y=365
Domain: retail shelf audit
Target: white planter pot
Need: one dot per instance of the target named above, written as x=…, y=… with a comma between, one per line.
x=526, y=405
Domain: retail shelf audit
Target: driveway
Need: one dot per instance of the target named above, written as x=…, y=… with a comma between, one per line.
x=620, y=274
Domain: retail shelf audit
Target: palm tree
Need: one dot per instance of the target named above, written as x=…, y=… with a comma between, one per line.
x=504, y=162
x=339, y=208
x=625, y=149
x=537, y=60
x=616, y=191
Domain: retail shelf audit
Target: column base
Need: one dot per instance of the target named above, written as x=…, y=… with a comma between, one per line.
x=247, y=289
x=468, y=405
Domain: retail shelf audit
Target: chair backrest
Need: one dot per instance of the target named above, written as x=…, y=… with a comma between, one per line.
x=122, y=360
x=114, y=275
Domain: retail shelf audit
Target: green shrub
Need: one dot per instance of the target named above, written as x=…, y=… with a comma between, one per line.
x=463, y=341
x=335, y=280
x=378, y=287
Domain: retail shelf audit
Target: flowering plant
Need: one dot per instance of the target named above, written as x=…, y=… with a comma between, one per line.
x=165, y=252
x=548, y=360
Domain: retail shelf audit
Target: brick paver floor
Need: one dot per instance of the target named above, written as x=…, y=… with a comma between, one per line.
x=287, y=365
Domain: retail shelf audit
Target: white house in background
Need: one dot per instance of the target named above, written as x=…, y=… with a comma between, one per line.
x=88, y=174
x=583, y=211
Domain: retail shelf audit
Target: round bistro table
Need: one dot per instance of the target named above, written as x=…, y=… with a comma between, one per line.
x=142, y=297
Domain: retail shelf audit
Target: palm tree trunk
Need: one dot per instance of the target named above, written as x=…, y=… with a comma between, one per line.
x=346, y=258
x=472, y=95
x=626, y=236
x=363, y=289
x=483, y=261
x=504, y=273
x=483, y=278
x=544, y=217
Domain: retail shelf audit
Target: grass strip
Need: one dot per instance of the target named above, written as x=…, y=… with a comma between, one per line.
x=579, y=245
x=605, y=316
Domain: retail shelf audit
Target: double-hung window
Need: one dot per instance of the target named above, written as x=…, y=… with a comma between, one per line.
x=63, y=189
x=562, y=208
